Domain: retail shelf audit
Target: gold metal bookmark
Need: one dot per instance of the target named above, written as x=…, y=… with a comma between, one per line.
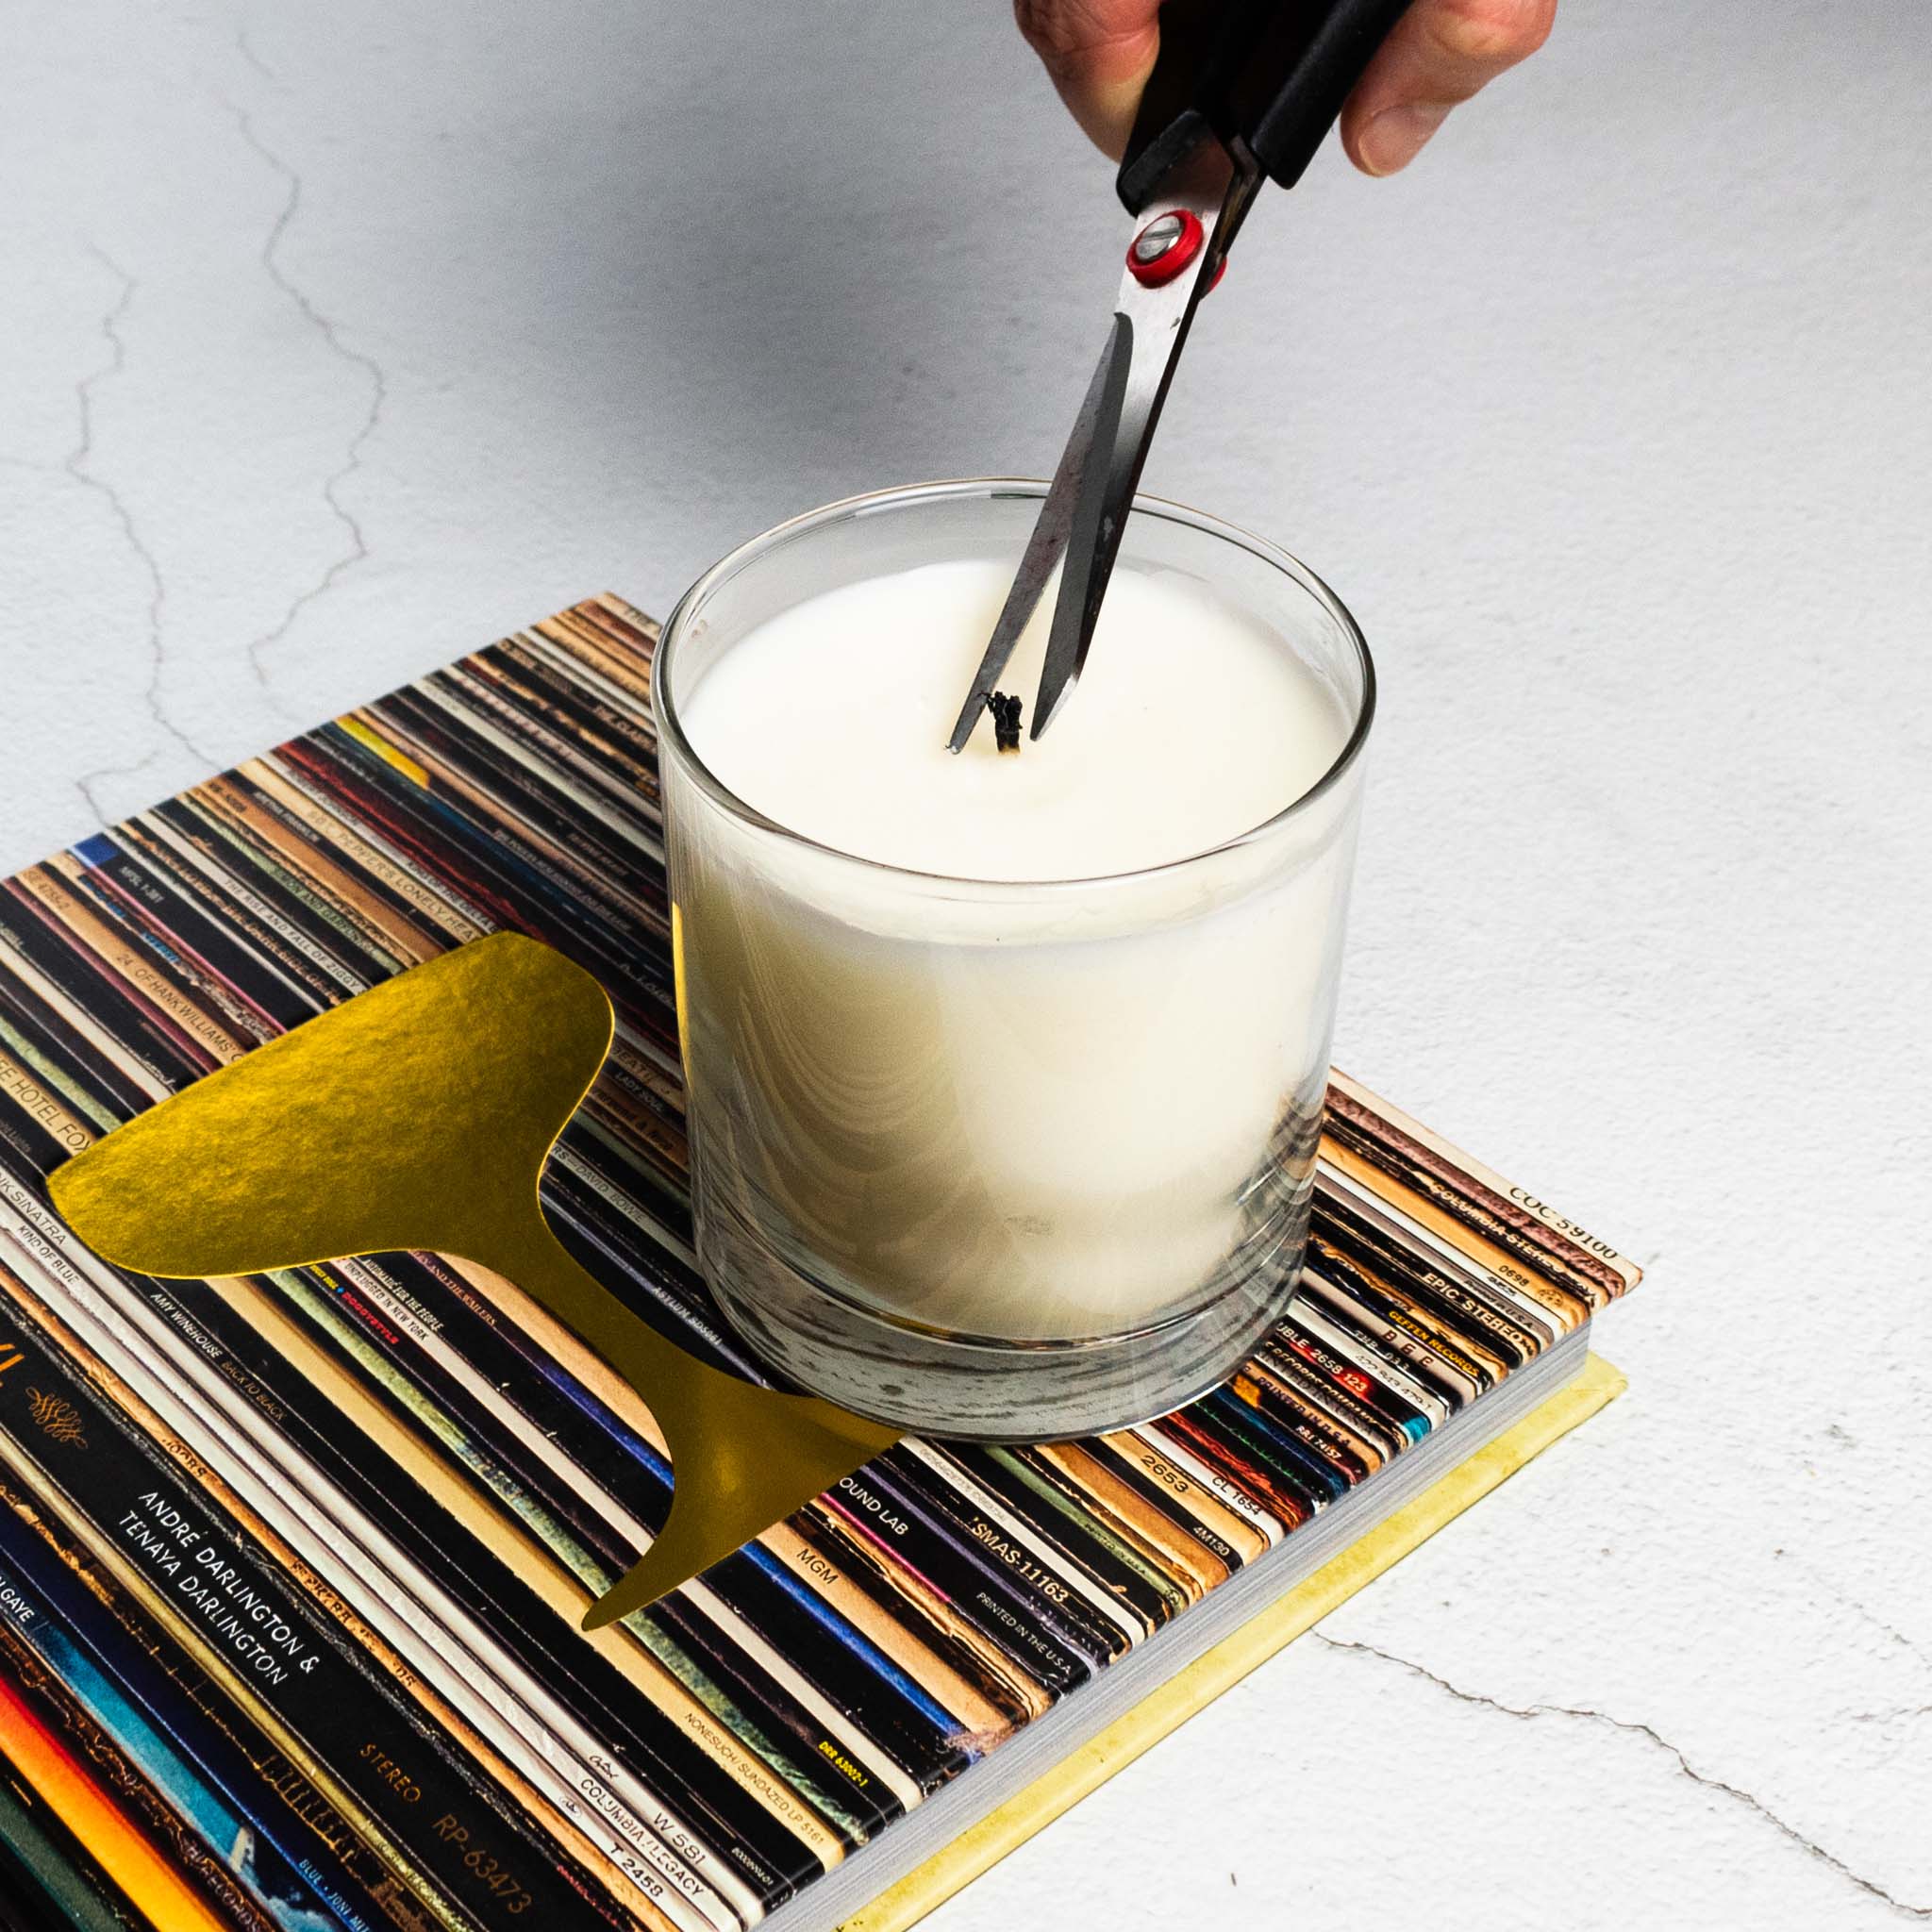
x=419, y=1115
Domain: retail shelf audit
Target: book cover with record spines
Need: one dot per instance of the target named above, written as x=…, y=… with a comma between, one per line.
x=712, y=1758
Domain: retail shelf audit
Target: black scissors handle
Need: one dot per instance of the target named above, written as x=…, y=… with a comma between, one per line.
x=1261, y=81
x=1267, y=76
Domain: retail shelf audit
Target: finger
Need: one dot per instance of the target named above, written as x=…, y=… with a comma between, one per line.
x=1441, y=53
x=1099, y=54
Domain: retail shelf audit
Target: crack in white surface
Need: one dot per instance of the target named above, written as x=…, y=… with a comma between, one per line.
x=79, y=465
x=1525, y=1712
x=246, y=50
x=330, y=332
x=1890, y=1717
x=1884, y=1629
x=1910, y=1645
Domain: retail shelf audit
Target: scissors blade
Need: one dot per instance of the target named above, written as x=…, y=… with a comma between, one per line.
x=1044, y=547
x=1150, y=327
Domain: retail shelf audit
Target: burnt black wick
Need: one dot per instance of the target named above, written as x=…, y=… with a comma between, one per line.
x=1005, y=720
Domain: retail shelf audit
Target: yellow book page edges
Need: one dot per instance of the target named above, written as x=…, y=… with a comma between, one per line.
x=1169, y=1706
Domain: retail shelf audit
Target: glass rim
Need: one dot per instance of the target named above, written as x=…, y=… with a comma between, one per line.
x=669, y=725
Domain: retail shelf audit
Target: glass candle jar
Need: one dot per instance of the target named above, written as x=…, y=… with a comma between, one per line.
x=1006, y=1159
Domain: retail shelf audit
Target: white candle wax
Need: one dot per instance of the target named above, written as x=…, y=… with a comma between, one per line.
x=1009, y=1109
x=1190, y=727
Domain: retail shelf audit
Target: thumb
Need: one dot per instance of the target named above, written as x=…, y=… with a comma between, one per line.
x=1441, y=53
x=1099, y=54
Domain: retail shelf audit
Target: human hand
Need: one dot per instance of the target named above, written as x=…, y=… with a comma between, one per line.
x=1100, y=52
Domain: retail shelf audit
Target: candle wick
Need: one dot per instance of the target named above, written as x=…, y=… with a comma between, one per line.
x=1005, y=720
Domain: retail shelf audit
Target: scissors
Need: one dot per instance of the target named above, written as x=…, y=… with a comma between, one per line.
x=1243, y=91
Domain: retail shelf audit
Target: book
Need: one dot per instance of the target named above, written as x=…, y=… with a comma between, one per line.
x=311, y=1550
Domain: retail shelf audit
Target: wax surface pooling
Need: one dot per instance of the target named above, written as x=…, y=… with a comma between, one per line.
x=1192, y=724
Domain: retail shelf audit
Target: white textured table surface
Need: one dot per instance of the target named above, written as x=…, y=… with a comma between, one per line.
x=338, y=338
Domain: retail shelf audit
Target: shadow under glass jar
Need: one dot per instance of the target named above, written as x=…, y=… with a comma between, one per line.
x=1004, y=1160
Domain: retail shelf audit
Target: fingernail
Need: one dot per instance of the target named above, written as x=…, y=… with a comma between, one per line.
x=1395, y=135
